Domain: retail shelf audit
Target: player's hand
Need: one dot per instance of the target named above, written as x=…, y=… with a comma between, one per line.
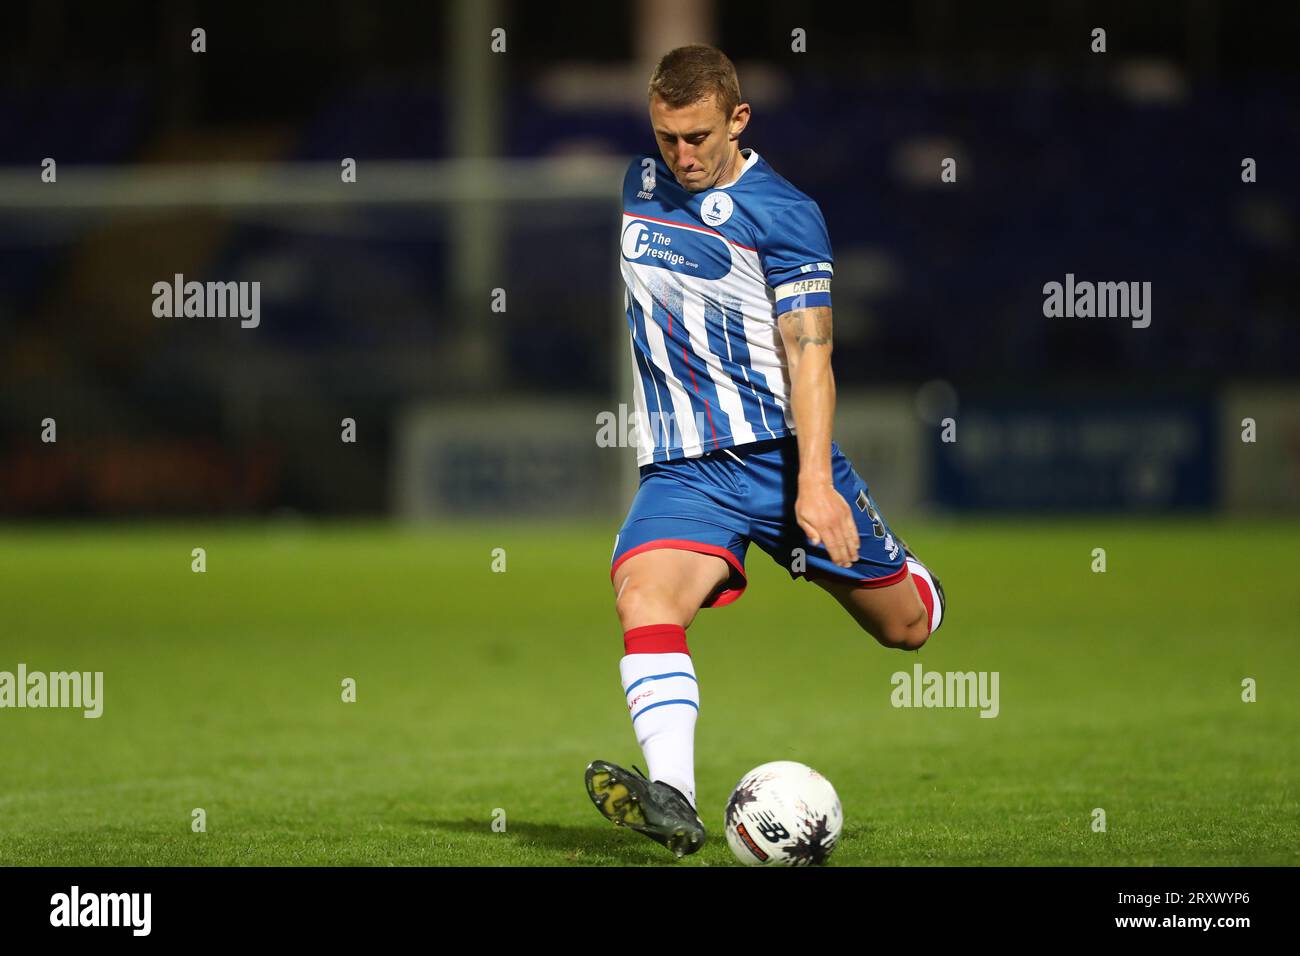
x=826, y=518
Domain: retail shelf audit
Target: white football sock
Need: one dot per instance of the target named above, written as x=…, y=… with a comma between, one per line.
x=663, y=699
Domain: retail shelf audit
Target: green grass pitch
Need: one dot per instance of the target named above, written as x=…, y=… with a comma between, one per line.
x=479, y=691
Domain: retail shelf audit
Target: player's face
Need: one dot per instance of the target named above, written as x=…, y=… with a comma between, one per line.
x=698, y=142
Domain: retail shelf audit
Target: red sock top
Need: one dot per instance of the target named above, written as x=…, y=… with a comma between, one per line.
x=656, y=639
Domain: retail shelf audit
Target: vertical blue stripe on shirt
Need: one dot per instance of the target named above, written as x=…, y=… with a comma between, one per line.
x=769, y=417
x=703, y=394
x=653, y=383
x=720, y=341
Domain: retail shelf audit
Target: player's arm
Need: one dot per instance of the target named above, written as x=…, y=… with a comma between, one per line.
x=821, y=511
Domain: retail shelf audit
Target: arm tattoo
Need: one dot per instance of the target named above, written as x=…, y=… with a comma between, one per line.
x=818, y=334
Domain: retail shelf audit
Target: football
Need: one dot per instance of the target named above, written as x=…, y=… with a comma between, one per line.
x=783, y=813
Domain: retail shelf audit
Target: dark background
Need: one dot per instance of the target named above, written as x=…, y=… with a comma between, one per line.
x=1122, y=166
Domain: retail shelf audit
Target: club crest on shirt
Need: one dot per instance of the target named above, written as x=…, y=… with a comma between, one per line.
x=716, y=208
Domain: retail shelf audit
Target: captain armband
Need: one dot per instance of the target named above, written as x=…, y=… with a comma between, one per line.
x=803, y=294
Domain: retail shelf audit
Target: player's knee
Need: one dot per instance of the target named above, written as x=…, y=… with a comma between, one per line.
x=639, y=603
x=906, y=635
x=627, y=602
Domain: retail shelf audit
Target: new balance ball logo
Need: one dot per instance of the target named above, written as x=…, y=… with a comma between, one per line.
x=773, y=830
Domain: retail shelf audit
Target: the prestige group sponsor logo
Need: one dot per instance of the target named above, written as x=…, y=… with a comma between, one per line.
x=690, y=250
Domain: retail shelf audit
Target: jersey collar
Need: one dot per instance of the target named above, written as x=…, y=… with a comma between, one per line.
x=750, y=160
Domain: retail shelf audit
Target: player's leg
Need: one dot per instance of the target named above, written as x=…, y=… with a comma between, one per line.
x=658, y=592
x=887, y=591
x=902, y=614
x=899, y=606
x=894, y=615
x=681, y=548
x=666, y=586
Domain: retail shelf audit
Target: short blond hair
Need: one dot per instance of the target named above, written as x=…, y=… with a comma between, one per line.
x=689, y=74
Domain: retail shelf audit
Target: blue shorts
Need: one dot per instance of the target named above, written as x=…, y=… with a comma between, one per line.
x=716, y=504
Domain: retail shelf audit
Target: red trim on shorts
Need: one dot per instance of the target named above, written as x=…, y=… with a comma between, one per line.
x=720, y=598
x=656, y=639
x=884, y=582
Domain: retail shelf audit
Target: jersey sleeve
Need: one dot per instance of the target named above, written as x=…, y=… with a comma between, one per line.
x=796, y=257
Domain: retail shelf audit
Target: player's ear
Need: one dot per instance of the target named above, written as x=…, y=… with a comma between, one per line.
x=739, y=120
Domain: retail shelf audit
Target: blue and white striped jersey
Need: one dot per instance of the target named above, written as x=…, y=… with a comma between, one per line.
x=707, y=275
